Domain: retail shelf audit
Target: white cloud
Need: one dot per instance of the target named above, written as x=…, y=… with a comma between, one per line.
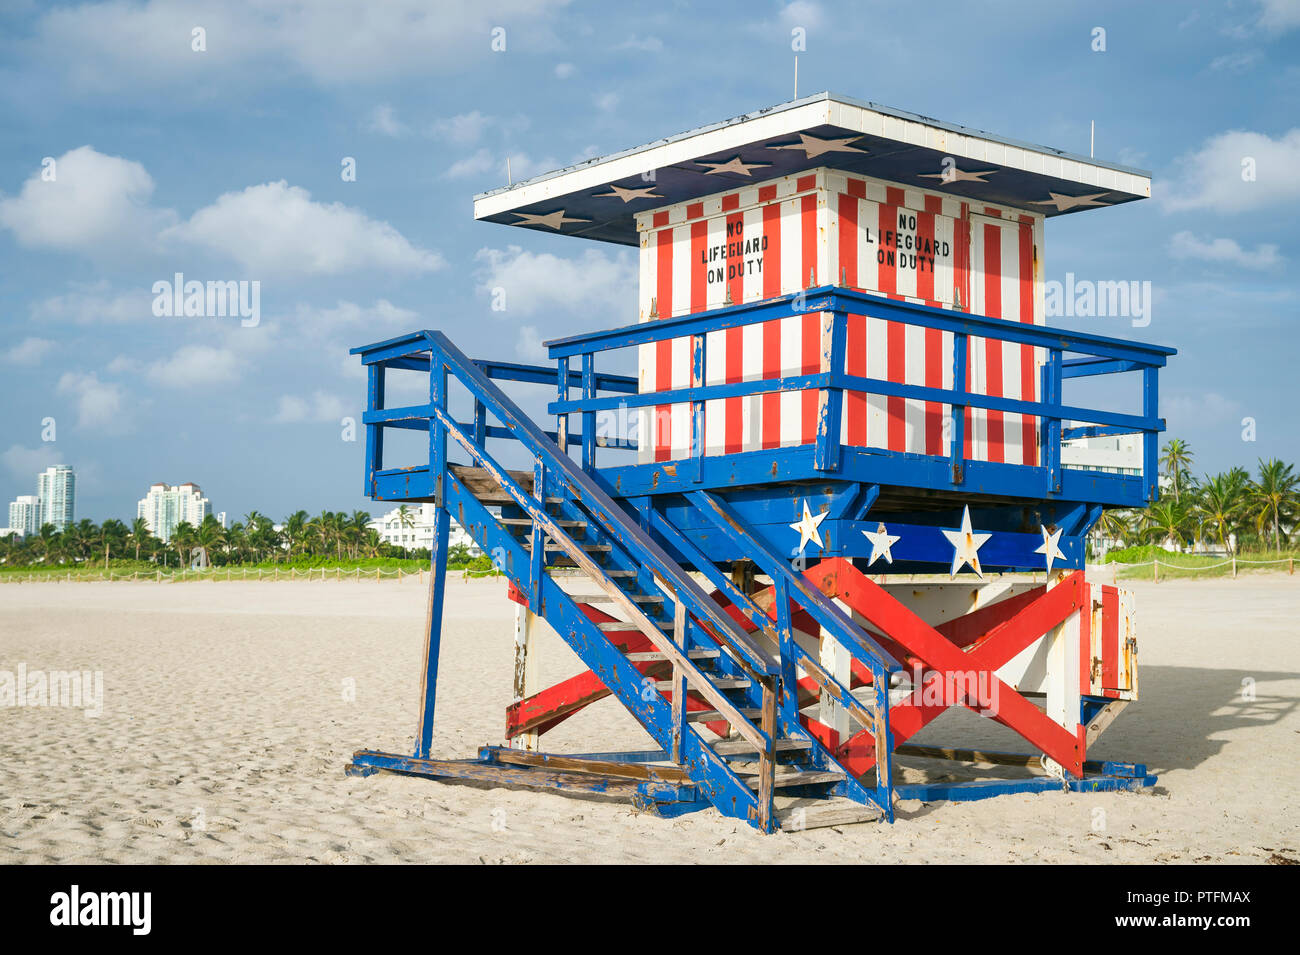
x=1211, y=176
x=565, y=70
x=349, y=316
x=1185, y=245
x=593, y=281
x=607, y=102
x=99, y=403
x=277, y=228
x=193, y=365
x=94, y=203
x=523, y=166
x=649, y=44
x=29, y=351
x=529, y=345
x=320, y=407
x=92, y=304
x=1279, y=15
x=1238, y=62
x=463, y=129
x=477, y=164
x=383, y=119
x=25, y=463
x=120, y=43
x=801, y=13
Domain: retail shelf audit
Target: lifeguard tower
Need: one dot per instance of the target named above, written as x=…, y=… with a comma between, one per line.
x=829, y=505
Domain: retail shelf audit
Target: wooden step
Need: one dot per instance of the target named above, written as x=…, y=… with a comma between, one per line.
x=801, y=777
x=552, y=546
x=712, y=716
x=481, y=484
x=648, y=656
x=607, y=599
x=528, y=522
x=721, y=682
x=742, y=746
x=617, y=625
x=797, y=813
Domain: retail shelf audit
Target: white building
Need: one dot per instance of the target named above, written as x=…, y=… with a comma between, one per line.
x=1119, y=454
x=25, y=515
x=56, y=487
x=418, y=532
x=165, y=506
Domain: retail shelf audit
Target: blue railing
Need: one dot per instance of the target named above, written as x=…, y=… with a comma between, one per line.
x=1094, y=355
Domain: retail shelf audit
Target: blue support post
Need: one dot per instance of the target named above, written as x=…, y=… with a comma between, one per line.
x=438, y=557
x=480, y=423
x=697, y=407
x=884, y=744
x=789, y=699
x=1052, y=382
x=1151, y=438
x=589, y=417
x=957, y=451
x=829, y=412
x=562, y=393
x=433, y=627
x=374, y=432
x=537, y=560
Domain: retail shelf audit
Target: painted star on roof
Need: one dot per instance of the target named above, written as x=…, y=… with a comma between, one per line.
x=552, y=220
x=966, y=544
x=627, y=195
x=814, y=147
x=734, y=164
x=1066, y=203
x=956, y=174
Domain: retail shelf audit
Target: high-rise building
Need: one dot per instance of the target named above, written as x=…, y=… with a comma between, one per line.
x=56, y=487
x=25, y=514
x=165, y=506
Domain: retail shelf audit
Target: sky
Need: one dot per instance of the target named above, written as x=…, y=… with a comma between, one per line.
x=141, y=139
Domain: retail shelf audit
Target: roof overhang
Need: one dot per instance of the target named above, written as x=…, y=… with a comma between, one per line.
x=863, y=138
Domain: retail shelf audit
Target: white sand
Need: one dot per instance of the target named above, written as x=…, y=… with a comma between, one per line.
x=225, y=730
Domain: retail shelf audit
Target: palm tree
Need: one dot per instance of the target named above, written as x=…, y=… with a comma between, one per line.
x=210, y=535
x=1114, y=524
x=371, y=543
x=357, y=529
x=111, y=533
x=405, y=520
x=1222, y=503
x=295, y=530
x=46, y=540
x=238, y=542
x=1274, y=497
x=1176, y=457
x=182, y=540
x=1166, y=521
x=138, y=534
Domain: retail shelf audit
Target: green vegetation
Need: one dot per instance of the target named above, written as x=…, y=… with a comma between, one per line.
x=1251, y=518
x=331, y=541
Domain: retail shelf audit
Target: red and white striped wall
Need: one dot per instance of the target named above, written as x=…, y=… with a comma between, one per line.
x=1108, y=644
x=825, y=227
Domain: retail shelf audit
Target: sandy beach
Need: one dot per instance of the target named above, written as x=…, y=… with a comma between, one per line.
x=230, y=709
